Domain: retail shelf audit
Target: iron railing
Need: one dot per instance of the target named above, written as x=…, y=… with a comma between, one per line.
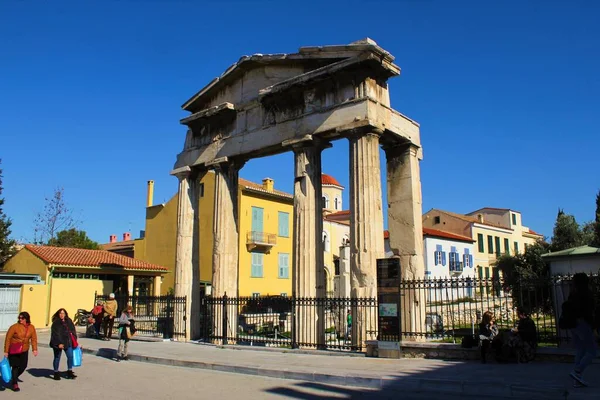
x=287, y=322
x=158, y=316
x=261, y=238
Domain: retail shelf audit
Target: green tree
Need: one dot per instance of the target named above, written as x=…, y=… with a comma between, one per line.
x=526, y=276
x=73, y=238
x=588, y=234
x=567, y=233
x=7, y=245
x=596, y=241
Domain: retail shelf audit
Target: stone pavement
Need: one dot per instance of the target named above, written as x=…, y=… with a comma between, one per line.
x=535, y=380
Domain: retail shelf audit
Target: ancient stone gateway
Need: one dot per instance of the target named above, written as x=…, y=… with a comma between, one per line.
x=268, y=104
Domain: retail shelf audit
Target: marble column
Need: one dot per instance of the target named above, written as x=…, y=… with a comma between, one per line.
x=226, y=243
x=366, y=230
x=308, y=272
x=406, y=230
x=130, y=285
x=185, y=244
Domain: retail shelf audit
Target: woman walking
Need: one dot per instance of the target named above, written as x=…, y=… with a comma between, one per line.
x=582, y=304
x=16, y=346
x=63, y=338
x=125, y=329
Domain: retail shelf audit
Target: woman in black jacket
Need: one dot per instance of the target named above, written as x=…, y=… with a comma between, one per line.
x=62, y=338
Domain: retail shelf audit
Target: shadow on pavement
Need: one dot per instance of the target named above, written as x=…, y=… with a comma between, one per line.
x=40, y=372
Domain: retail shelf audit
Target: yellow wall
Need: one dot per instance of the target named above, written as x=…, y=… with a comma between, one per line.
x=270, y=283
x=72, y=294
x=34, y=300
x=25, y=262
x=159, y=245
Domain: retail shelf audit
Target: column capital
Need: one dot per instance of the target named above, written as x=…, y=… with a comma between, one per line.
x=182, y=172
x=297, y=144
x=409, y=148
x=224, y=162
x=364, y=131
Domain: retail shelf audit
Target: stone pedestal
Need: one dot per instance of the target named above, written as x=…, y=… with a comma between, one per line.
x=185, y=238
x=366, y=228
x=226, y=242
x=308, y=263
x=406, y=230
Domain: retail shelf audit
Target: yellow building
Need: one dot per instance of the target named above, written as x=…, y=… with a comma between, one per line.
x=496, y=231
x=72, y=277
x=265, y=236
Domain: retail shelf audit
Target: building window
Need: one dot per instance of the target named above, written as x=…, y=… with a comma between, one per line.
x=454, y=259
x=325, y=201
x=284, y=224
x=439, y=255
x=490, y=244
x=480, y=243
x=257, y=265
x=516, y=247
x=201, y=190
x=514, y=219
x=284, y=265
x=480, y=271
x=498, y=250
x=337, y=203
x=506, y=247
x=283, y=295
x=326, y=241
x=336, y=266
x=487, y=273
x=436, y=219
x=255, y=295
x=467, y=259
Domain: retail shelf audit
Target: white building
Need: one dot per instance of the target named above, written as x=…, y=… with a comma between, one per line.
x=584, y=259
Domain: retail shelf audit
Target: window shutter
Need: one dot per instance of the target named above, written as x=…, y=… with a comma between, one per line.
x=444, y=258
x=471, y=260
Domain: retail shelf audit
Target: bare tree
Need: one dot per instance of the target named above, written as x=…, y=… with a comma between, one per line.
x=55, y=217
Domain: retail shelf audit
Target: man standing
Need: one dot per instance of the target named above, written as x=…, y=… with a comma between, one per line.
x=110, y=312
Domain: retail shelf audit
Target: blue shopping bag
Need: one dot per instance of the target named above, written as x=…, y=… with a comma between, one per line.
x=77, y=356
x=5, y=370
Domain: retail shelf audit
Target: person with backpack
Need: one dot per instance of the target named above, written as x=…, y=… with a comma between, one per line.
x=578, y=316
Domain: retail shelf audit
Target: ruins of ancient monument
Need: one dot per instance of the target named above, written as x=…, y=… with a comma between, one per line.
x=268, y=104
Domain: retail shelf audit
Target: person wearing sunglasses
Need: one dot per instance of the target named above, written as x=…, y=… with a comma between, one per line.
x=19, y=338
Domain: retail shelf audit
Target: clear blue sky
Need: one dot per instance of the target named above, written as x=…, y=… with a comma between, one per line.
x=507, y=95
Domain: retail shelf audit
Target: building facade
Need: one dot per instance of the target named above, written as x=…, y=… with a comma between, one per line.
x=496, y=231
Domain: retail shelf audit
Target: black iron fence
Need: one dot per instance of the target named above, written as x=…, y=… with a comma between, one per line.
x=434, y=310
x=285, y=322
x=157, y=316
x=448, y=309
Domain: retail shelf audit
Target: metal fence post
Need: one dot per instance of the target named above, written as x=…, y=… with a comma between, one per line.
x=224, y=322
x=294, y=336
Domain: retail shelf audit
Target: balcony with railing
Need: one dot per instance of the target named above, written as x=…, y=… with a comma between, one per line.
x=456, y=267
x=260, y=240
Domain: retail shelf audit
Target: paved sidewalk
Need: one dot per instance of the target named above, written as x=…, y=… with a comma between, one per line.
x=535, y=380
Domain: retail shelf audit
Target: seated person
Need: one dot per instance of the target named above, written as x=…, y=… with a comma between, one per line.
x=487, y=332
x=523, y=341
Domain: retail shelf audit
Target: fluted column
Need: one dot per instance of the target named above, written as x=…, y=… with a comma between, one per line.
x=308, y=272
x=366, y=229
x=184, y=250
x=406, y=229
x=226, y=242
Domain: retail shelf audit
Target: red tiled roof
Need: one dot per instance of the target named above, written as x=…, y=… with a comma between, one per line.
x=258, y=187
x=117, y=245
x=447, y=235
x=492, y=209
x=329, y=180
x=531, y=231
x=436, y=233
x=89, y=258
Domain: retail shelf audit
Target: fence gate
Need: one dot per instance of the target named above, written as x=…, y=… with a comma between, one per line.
x=9, y=306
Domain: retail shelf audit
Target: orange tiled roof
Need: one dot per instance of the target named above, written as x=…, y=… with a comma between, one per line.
x=531, y=231
x=436, y=233
x=329, y=180
x=468, y=218
x=258, y=187
x=447, y=235
x=117, y=245
x=89, y=258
